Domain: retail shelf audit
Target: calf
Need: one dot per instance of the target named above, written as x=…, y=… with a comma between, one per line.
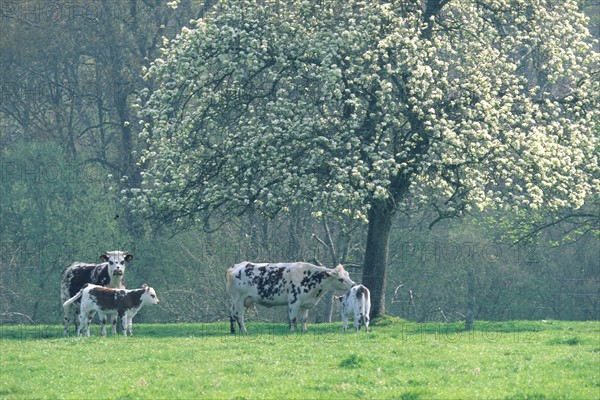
x=298, y=285
x=356, y=303
x=111, y=302
x=109, y=273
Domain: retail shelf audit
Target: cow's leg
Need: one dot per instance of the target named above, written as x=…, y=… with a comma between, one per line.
x=85, y=320
x=357, y=320
x=88, y=323
x=303, y=317
x=344, y=322
x=293, y=310
x=240, y=320
x=67, y=310
x=103, y=322
x=78, y=325
x=77, y=317
x=367, y=311
x=127, y=324
x=81, y=324
x=113, y=322
x=237, y=315
x=70, y=312
x=232, y=319
x=124, y=323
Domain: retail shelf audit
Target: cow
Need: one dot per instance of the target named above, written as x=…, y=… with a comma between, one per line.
x=109, y=273
x=298, y=285
x=356, y=303
x=109, y=302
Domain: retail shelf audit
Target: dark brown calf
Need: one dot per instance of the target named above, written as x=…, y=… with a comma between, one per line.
x=111, y=302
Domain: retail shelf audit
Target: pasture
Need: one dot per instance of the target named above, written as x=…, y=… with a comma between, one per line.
x=398, y=359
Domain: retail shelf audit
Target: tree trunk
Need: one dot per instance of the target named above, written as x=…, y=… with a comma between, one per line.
x=376, y=255
x=334, y=262
x=470, y=317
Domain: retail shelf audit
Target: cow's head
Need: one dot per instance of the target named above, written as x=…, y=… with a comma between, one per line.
x=341, y=278
x=116, y=261
x=149, y=295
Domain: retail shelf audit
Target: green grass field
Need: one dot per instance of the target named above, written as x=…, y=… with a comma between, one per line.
x=397, y=360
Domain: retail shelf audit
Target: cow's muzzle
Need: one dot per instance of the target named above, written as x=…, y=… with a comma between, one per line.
x=117, y=272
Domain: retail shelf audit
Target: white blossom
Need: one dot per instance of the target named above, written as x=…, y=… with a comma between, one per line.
x=348, y=103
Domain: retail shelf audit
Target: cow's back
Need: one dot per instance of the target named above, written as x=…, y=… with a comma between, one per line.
x=78, y=274
x=116, y=300
x=260, y=283
x=274, y=283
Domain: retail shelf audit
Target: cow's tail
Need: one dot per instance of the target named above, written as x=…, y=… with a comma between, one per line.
x=229, y=280
x=73, y=299
x=362, y=295
x=366, y=302
x=228, y=283
x=367, y=309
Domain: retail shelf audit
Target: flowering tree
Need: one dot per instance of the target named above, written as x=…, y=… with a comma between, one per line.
x=367, y=108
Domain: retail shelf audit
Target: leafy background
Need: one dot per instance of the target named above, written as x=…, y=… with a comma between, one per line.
x=70, y=75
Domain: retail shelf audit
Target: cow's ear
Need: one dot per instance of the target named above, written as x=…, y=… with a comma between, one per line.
x=104, y=257
x=145, y=287
x=128, y=257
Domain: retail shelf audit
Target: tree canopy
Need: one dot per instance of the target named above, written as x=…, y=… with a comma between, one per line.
x=369, y=108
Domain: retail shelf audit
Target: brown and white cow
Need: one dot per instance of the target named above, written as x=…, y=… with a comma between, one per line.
x=298, y=285
x=356, y=304
x=108, y=302
x=109, y=273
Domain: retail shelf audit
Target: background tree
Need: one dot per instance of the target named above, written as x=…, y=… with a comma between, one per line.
x=371, y=108
x=70, y=71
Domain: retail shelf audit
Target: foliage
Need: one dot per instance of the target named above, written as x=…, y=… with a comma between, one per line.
x=366, y=109
x=428, y=273
x=69, y=73
x=47, y=223
x=70, y=76
x=515, y=359
x=345, y=104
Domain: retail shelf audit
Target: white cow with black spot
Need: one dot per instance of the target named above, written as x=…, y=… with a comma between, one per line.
x=298, y=285
x=356, y=303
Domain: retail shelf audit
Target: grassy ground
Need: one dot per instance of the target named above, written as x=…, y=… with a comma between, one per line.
x=400, y=360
